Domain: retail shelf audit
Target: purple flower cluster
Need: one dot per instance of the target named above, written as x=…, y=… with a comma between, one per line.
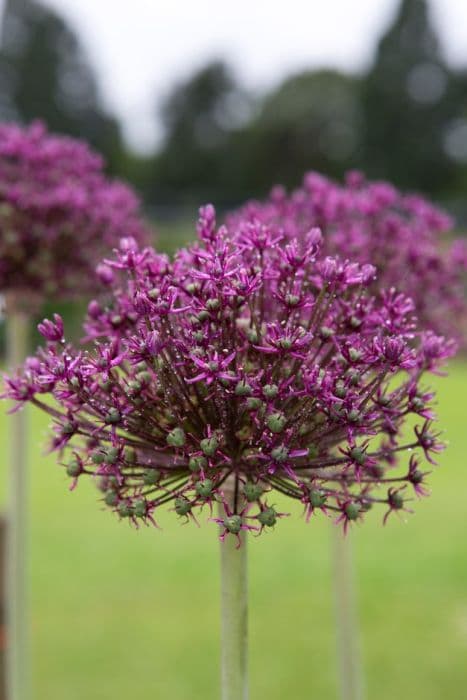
x=401, y=234
x=249, y=361
x=58, y=212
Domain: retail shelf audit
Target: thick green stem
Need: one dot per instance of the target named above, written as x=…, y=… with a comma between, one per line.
x=234, y=613
x=17, y=611
x=348, y=648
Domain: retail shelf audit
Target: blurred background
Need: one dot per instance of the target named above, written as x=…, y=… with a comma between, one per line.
x=207, y=102
x=196, y=102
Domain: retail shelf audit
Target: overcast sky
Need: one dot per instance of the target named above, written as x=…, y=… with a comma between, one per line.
x=140, y=47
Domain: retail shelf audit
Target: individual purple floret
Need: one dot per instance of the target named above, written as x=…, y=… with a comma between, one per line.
x=58, y=213
x=403, y=235
x=257, y=361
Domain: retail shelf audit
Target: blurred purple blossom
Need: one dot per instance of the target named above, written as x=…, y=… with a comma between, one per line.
x=403, y=235
x=58, y=213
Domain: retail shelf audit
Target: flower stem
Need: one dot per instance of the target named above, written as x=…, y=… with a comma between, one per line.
x=348, y=649
x=17, y=611
x=234, y=612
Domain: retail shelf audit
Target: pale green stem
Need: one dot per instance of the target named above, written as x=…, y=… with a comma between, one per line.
x=348, y=638
x=17, y=611
x=234, y=613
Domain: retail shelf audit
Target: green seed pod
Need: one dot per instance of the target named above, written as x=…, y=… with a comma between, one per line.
x=276, y=422
x=233, y=523
x=97, y=457
x=340, y=391
x=252, y=336
x=192, y=287
x=111, y=498
x=252, y=491
x=417, y=403
x=213, y=304
x=254, y=404
x=197, y=463
x=267, y=517
x=270, y=391
x=292, y=299
x=352, y=510
x=125, y=510
x=203, y=316
x=74, y=467
x=243, y=388
x=154, y=293
x=354, y=415
x=204, y=488
x=280, y=453
x=285, y=343
x=209, y=445
x=317, y=498
x=355, y=355
x=325, y=333
x=151, y=477
x=182, y=505
x=68, y=428
x=396, y=500
x=198, y=336
x=140, y=508
x=358, y=455
x=113, y=416
x=176, y=437
x=111, y=455
x=134, y=386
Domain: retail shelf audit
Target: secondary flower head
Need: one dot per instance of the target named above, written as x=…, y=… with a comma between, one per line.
x=267, y=366
x=58, y=212
x=403, y=235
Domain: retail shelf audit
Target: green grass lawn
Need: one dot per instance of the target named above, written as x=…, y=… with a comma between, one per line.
x=119, y=613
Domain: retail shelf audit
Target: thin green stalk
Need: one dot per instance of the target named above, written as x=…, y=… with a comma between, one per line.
x=234, y=612
x=348, y=641
x=17, y=610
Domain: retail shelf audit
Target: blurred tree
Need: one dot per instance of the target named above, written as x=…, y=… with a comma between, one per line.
x=410, y=101
x=44, y=74
x=199, y=117
x=311, y=121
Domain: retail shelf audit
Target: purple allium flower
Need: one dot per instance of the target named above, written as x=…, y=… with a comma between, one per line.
x=402, y=235
x=268, y=365
x=58, y=212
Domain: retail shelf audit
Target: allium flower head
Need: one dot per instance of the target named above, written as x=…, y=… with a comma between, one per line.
x=403, y=235
x=268, y=365
x=58, y=212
